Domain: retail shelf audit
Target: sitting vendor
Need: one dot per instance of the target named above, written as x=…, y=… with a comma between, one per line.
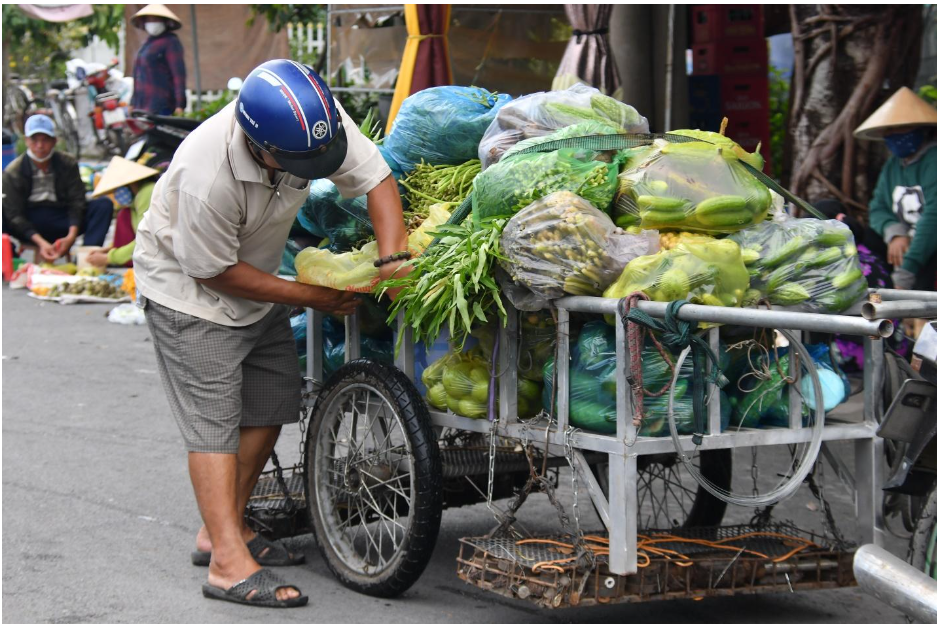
x=904, y=206
x=124, y=178
x=44, y=197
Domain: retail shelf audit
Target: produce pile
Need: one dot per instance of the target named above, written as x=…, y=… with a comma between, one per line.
x=707, y=272
x=88, y=288
x=563, y=244
x=692, y=186
x=676, y=218
x=541, y=114
x=804, y=262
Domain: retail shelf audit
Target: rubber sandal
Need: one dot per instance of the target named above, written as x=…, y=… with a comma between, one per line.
x=277, y=554
x=264, y=584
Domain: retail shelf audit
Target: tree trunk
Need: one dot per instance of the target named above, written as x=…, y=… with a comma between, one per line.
x=848, y=59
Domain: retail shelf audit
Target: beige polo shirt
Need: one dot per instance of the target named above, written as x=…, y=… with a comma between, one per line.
x=215, y=206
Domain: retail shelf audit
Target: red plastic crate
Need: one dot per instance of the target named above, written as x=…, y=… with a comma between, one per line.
x=744, y=94
x=732, y=57
x=717, y=22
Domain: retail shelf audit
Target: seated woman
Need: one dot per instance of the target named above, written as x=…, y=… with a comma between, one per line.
x=122, y=174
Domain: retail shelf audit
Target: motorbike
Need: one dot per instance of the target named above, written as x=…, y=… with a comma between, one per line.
x=158, y=137
x=910, y=431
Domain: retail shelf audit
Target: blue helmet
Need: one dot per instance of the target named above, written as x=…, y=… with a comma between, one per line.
x=286, y=110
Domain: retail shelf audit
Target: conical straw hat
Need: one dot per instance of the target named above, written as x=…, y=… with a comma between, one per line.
x=121, y=172
x=901, y=112
x=156, y=10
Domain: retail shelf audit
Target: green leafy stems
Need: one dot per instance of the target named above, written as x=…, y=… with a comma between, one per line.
x=451, y=282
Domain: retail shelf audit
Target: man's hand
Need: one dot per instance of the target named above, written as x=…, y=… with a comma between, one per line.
x=897, y=248
x=47, y=251
x=63, y=244
x=97, y=258
x=331, y=301
x=395, y=270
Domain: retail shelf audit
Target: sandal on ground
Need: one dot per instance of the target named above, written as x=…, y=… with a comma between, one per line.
x=264, y=584
x=276, y=556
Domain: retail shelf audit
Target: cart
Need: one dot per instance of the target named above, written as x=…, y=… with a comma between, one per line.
x=378, y=467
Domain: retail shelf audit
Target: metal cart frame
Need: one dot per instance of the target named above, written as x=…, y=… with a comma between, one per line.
x=619, y=513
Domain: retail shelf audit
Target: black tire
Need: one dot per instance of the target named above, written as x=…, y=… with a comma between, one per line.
x=924, y=530
x=335, y=485
x=705, y=510
x=70, y=134
x=116, y=142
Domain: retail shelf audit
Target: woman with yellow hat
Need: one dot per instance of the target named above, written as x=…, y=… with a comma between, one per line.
x=120, y=175
x=159, y=69
x=903, y=210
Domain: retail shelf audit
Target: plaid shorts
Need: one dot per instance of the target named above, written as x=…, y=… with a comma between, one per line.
x=219, y=378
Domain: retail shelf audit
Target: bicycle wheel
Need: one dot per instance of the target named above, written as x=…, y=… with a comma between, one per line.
x=70, y=131
x=922, y=550
x=668, y=497
x=373, y=479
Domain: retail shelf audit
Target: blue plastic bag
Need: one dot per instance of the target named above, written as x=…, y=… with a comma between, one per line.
x=344, y=222
x=442, y=125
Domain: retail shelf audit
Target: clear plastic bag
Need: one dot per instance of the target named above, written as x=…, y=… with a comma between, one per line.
x=562, y=244
x=344, y=222
x=520, y=180
x=354, y=270
x=688, y=186
x=540, y=114
x=458, y=115
x=466, y=377
x=586, y=128
x=808, y=263
x=708, y=272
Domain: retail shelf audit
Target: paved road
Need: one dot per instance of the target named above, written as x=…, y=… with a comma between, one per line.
x=100, y=518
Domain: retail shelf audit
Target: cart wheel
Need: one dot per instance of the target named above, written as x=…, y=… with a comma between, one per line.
x=922, y=550
x=373, y=479
x=668, y=497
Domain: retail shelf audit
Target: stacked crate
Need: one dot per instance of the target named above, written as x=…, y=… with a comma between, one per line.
x=730, y=73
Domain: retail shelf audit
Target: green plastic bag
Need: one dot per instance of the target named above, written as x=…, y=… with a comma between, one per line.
x=706, y=272
x=691, y=186
x=516, y=182
x=808, y=263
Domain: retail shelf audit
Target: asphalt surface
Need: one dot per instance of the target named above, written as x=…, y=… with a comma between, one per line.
x=100, y=518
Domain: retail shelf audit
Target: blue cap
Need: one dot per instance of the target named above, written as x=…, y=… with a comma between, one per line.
x=40, y=124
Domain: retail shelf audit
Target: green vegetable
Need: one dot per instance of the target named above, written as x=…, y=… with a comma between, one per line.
x=825, y=258
x=843, y=280
x=439, y=184
x=452, y=281
x=751, y=297
x=786, y=252
x=833, y=236
x=652, y=217
x=790, y=294
x=528, y=389
x=436, y=396
x=661, y=204
x=750, y=256
x=724, y=219
x=721, y=205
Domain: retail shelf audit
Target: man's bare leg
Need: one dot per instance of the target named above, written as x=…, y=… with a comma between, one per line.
x=215, y=481
x=256, y=444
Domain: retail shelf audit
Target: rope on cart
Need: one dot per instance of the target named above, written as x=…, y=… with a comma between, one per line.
x=650, y=545
x=677, y=335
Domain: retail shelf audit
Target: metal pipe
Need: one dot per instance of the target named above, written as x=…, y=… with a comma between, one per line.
x=896, y=583
x=668, y=87
x=198, y=68
x=826, y=323
x=899, y=309
x=889, y=294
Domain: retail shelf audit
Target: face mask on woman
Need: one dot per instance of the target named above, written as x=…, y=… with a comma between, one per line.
x=155, y=29
x=905, y=144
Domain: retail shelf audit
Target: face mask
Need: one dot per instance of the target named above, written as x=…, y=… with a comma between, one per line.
x=905, y=144
x=30, y=153
x=155, y=29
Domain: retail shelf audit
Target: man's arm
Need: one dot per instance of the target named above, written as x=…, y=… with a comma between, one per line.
x=14, y=204
x=248, y=282
x=882, y=218
x=386, y=213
